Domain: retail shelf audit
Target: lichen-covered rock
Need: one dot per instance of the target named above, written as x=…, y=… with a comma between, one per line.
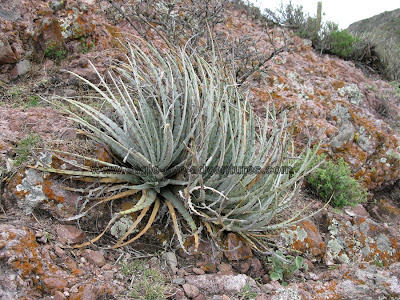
x=304, y=237
x=358, y=282
x=30, y=191
x=355, y=239
x=25, y=270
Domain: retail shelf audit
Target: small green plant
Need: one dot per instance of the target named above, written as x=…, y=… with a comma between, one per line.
x=247, y=292
x=334, y=180
x=378, y=263
x=33, y=101
x=24, y=147
x=55, y=50
x=146, y=283
x=85, y=46
x=283, y=267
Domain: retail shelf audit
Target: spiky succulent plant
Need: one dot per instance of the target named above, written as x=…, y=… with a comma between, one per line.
x=183, y=134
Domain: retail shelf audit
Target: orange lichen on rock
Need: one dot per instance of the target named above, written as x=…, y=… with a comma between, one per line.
x=51, y=192
x=305, y=237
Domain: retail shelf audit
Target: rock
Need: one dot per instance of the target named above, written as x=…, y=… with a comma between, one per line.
x=83, y=62
x=225, y=269
x=53, y=283
x=242, y=267
x=385, y=211
x=266, y=279
x=171, y=261
x=346, y=134
x=89, y=2
x=225, y=297
x=357, y=210
x=306, y=238
x=180, y=295
x=198, y=271
x=60, y=252
x=256, y=269
x=57, y=5
x=181, y=273
x=213, y=284
x=21, y=68
x=23, y=262
x=307, y=43
x=18, y=50
x=178, y=281
x=95, y=258
x=7, y=56
x=109, y=275
x=191, y=291
x=70, y=234
x=59, y=296
x=207, y=266
x=359, y=239
x=31, y=191
x=48, y=64
x=236, y=248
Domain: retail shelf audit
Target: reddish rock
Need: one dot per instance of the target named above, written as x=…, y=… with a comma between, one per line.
x=59, y=296
x=181, y=273
x=7, y=56
x=180, y=295
x=266, y=279
x=242, y=267
x=70, y=234
x=385, y=211
x=256, y=269
x=225, y=269
x=54, y=283
x=236, y=247
x=95, y=257
x=60, y=252
x=191, y=291
x=358, y=211
x=207, y=266
x=109, y=275
x=198, y=271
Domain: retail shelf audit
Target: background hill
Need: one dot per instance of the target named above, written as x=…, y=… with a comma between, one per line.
x=383, y=33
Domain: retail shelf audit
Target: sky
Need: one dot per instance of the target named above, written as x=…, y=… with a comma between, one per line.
x=342, y=12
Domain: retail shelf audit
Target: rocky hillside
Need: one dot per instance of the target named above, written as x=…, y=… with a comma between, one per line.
x=383, y=33
x=350, y=253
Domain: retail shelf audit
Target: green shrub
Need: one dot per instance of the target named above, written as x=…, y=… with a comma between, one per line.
x=341, y=43
x=334, y=180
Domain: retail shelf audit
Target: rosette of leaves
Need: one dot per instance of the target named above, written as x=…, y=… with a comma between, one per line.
x=173, y=111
